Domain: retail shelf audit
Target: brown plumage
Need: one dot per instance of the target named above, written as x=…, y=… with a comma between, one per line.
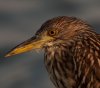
x=72, y=52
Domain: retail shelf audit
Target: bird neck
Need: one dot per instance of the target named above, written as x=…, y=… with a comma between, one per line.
x=74, y=61
x=59, y=63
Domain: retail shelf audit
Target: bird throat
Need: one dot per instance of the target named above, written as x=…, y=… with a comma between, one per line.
x=59, y=63
x=72, y=66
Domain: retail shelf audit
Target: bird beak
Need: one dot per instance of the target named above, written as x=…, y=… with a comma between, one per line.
x=33, y=43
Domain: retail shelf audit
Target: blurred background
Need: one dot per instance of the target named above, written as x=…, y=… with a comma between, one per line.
x=19, y=20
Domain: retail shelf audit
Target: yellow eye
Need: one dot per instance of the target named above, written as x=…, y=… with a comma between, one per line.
x=52, y=32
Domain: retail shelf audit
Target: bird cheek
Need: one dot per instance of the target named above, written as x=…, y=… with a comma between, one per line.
x=48, y=44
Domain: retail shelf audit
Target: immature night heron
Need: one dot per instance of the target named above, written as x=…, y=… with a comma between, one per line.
x=72, y=52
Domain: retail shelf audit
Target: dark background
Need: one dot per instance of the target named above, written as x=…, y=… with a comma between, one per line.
x=19, y=20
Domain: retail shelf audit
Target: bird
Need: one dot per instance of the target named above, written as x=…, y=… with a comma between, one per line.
x=71, y=52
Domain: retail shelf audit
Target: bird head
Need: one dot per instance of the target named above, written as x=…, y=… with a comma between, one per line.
x=52, y=33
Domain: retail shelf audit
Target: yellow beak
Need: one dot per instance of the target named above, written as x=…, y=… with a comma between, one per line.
x=33, y=43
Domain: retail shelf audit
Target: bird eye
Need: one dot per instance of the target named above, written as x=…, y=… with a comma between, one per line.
x=52, y=32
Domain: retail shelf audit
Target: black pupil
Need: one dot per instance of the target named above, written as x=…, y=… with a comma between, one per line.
x=52, y=32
